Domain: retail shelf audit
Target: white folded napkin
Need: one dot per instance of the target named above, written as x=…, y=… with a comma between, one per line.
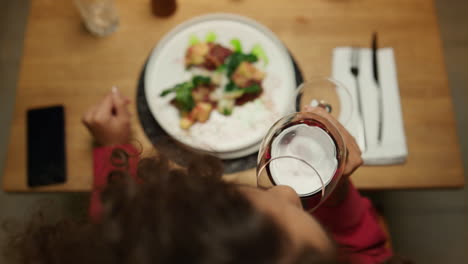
x=392, y=149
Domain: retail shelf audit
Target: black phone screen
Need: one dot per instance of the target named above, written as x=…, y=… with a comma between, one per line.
x=46, y=146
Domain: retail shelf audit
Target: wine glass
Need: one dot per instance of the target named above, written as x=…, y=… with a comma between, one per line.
x=327, y=93
x=306, y=151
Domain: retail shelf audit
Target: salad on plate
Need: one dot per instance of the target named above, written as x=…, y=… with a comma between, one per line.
x=223, y=78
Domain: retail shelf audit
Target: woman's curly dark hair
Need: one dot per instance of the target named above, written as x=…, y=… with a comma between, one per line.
x=174, y=216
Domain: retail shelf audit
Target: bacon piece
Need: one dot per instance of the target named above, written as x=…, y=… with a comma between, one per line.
x=248, y=97
x=206, y=55
x=218, y=54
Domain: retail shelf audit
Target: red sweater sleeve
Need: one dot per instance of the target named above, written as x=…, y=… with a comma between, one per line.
x=354, y=226
x=105, y=160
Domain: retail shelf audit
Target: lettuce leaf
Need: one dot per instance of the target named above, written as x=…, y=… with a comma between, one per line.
x=258, y=51
x=183, y=91
x=210, y=37
x=236, y=59
x=193, y=40
x=252, y=89
x=199, y=79
x=184, y=97
x=237, y=45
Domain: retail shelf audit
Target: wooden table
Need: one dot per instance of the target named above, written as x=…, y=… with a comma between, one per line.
x=63, y=64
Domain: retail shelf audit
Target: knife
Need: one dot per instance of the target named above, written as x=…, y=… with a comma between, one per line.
x=375, y=71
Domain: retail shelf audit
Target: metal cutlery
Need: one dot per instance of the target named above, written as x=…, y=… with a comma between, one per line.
x=375, y=71
x=355, y=58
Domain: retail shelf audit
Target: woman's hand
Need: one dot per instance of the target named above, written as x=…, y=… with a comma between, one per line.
x=109, y=120
x=353, y=158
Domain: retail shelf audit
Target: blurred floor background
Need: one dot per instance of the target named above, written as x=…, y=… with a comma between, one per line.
x=426, y=226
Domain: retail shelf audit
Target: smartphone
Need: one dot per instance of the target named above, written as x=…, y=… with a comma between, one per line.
x=46, y=160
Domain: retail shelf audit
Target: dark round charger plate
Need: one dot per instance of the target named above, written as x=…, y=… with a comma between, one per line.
x=165, y=143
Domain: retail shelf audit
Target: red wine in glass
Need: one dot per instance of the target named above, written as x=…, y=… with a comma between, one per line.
x=304, y=151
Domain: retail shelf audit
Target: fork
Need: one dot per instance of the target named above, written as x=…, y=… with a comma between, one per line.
x=355, y=72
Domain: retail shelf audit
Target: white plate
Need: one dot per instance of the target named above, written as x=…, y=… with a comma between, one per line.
x=248, y=124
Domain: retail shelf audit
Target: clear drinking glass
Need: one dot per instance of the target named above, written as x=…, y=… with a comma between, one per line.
x=99, y=16
x=327, y=93
x=306, y=151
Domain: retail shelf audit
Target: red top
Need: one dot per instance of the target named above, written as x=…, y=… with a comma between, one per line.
x=104, y=163
x=353, y=224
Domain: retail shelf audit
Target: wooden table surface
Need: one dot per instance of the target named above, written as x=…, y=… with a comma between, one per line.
x=63, y=64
